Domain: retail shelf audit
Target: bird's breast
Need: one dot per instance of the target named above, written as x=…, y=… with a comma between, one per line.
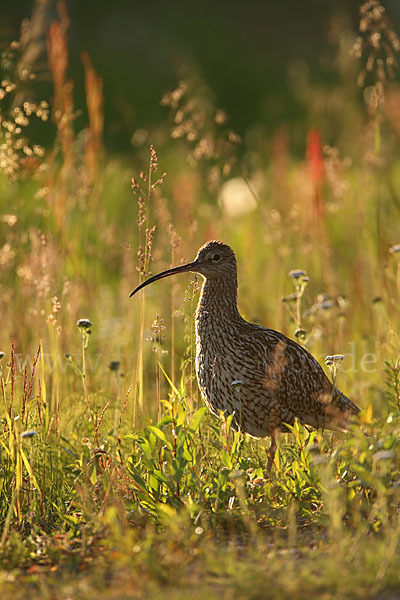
x=226, y=379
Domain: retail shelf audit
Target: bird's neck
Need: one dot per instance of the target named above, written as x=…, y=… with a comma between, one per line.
x=218, y=300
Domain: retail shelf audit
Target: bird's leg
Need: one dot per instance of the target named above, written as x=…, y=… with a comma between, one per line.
x=271, y=451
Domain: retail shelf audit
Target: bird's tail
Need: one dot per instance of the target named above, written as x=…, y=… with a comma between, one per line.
x=339, y=412
x=343, y=403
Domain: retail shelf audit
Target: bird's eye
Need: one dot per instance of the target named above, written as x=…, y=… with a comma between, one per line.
x=216, y=257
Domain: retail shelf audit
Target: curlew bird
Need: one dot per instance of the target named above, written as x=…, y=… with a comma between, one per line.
x=264, y=378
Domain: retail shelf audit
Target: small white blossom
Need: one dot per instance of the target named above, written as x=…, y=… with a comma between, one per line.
x=28, y=434
x=334, y=359
x=84, y=323
x=297, y=273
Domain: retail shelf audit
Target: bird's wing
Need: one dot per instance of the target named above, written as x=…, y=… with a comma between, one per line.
x=300, y=382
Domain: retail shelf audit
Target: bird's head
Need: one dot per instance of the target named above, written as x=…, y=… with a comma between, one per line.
x=213, y=260
x=216, y=259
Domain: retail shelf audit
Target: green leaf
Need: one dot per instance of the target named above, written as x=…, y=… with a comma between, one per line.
x=198, y=418
x=29, y=469
x=138, y=480
x=226, y=459
x=160, y=434
x=173, y=387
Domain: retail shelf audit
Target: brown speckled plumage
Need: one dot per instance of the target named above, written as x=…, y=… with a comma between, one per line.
x=258, y=374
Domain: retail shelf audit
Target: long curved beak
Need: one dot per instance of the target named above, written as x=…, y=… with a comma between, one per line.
x=193, y=266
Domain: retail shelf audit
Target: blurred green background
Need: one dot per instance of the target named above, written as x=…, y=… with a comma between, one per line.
x=244, y=52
